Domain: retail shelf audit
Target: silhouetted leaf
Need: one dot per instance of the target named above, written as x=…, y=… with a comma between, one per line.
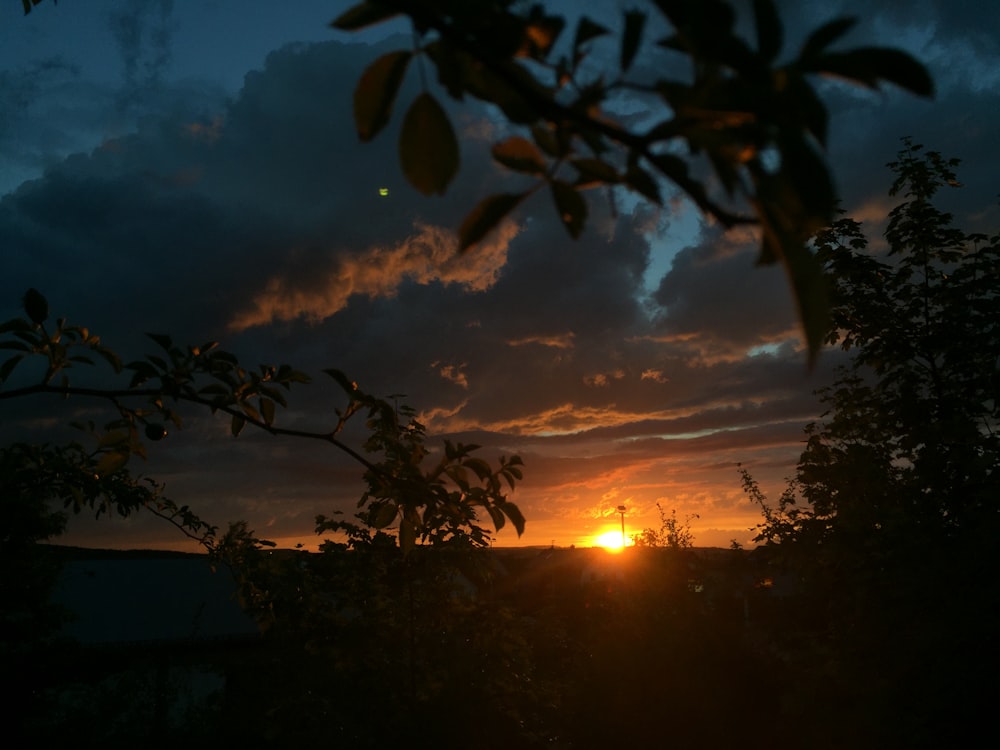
x=385, y=514
x=519, y=154
x=640, y=180
x=407, y=536
x=428, y=149
x=376, y=92
x=496, y=515
x=342, y=380
x=165, y=342
x=571, y=206
x=110, y=463
x=813, y=112
x=8, y=366
x=635, y=21
x=585, y=31
x=514, y=514
x=363, y=15
x=15, y=324
x=267, y=410
x=36, y=307
x=769, y=31
x=595, y=170
x=805, y=275
x=479, y=466
x=485, y=216
x=870, y=65
x=237, y=425
x=547, y=141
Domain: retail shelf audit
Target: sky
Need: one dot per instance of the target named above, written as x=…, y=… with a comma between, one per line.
x=193, y=169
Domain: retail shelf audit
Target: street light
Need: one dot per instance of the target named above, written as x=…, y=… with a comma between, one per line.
x=621, y=509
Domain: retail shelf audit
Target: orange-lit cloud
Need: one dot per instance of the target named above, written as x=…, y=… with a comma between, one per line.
x=602, y=379
x=453, y=374
x=561, y=341
x=430, y=255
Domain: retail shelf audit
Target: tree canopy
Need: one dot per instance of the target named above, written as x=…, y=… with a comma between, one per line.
x=891, y=517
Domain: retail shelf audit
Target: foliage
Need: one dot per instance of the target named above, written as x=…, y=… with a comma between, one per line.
x=889, y=522
x=910, y=442
x=672, y=534
x=753, y=118
x=430, y=505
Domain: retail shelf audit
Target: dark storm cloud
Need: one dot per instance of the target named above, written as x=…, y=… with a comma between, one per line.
x=142, y=29
x=715, y=291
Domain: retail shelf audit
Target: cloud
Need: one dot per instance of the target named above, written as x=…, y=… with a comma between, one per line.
x=430, y=255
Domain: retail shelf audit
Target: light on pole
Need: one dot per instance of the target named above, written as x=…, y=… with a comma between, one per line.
x=621, y=510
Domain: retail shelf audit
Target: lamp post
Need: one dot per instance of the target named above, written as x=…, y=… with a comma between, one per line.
x=621, y=510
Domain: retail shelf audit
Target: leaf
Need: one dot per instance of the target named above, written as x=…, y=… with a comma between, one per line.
x=110, y=357
x=635, y=21
x=19, y=346
x=805, y=276
x=267, y=411
x=237, y=425
x=497, y=516
x=514, y=514
x=363, y=15
x=36, y=307
x=250, y=411
x=571, y=206
x=384, y=515
x=519, y=154
x=826, y=35
x=595, y=170
x=165, y=342
x=407, y=536
x=585, y=31
x=640, y=180
x=479, y=466
x=113, y=438
x=769, y=31
x=15, y=324
x=869, y=65
x=428, y=148
x=547, y=141
x=342, y=380
x=8, y=367
x=485, y=216
x=376, y=92
x=110, y=463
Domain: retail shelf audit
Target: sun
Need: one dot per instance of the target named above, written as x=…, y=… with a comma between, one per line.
x=610, y=540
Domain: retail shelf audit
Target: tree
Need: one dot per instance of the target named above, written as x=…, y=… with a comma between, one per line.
x=890, y=519
x=386, y=613
x=672, y=534
x=429, y=505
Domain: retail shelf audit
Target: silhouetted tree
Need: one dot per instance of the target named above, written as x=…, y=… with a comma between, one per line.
x=892, y=515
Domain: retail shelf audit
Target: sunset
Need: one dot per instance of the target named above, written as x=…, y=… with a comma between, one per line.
x=623, y=305
x=645, y=360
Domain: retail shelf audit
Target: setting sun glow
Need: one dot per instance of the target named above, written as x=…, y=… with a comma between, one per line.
x=611, y=540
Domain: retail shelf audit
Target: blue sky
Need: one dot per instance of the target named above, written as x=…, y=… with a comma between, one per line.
x=193, y=169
